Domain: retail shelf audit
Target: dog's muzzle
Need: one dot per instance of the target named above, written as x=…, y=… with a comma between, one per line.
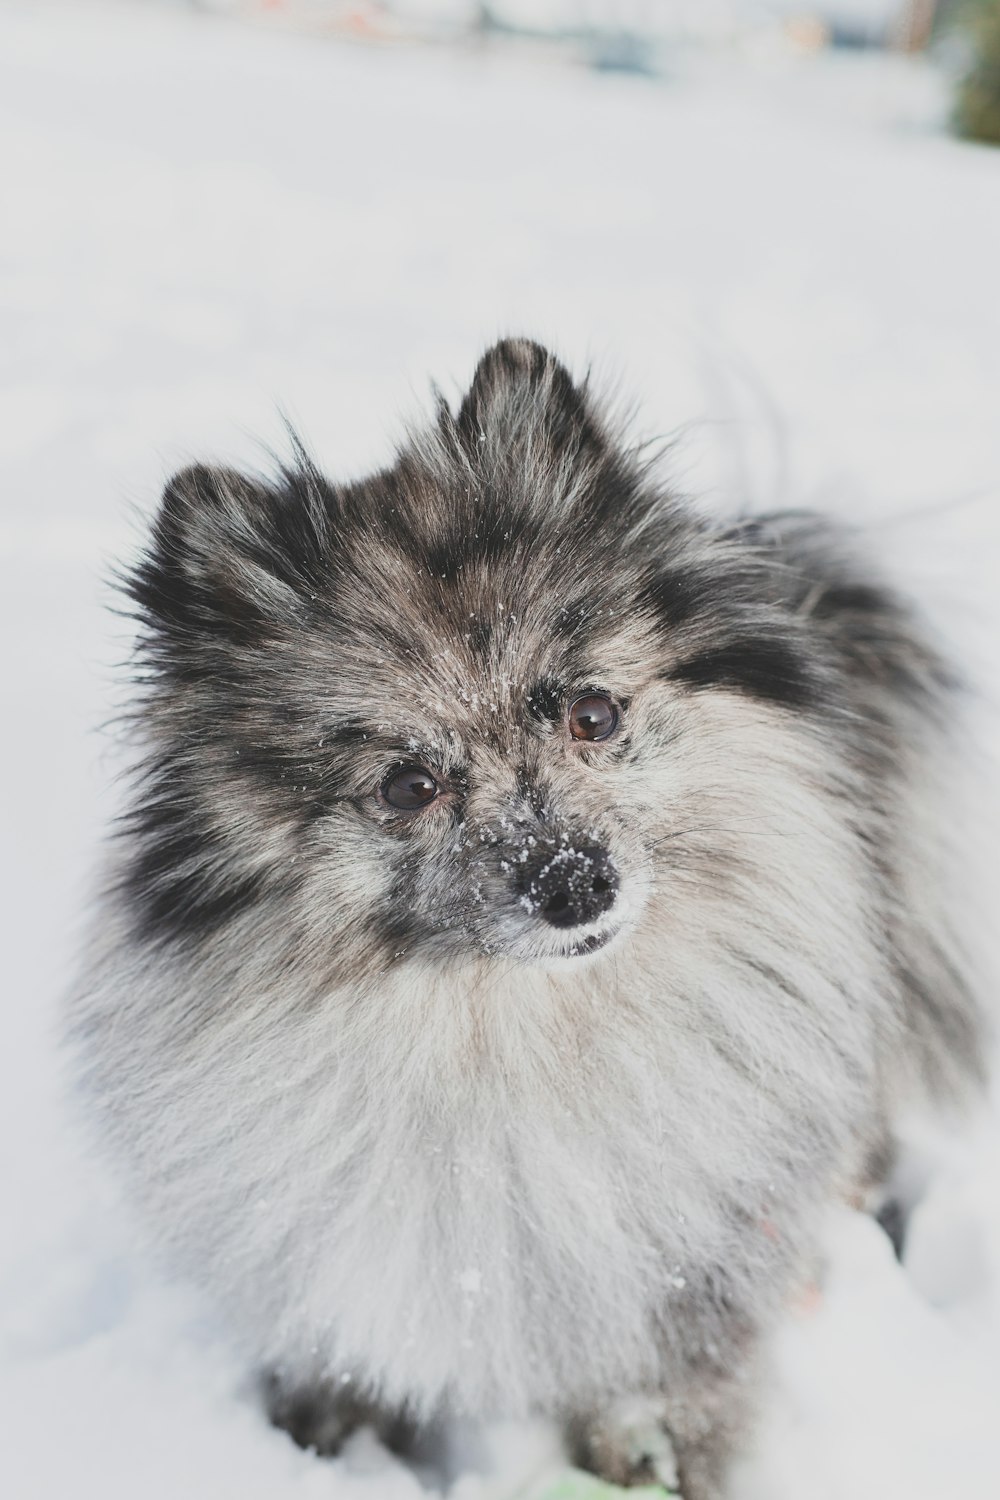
x=567, y=883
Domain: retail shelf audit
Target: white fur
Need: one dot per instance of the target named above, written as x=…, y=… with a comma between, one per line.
x=481, y=1184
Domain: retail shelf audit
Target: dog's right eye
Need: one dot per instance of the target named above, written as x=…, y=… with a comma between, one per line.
x=409, y=788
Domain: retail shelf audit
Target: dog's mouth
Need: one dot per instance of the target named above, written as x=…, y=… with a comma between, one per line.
x=587, y=944
x=534, y=942
x=593, y=943
x=565, y=949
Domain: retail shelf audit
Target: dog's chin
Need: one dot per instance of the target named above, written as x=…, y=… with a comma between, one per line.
x=539, y=946
x=571, y=949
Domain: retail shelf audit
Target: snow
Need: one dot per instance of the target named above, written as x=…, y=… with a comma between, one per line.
x=795, y=270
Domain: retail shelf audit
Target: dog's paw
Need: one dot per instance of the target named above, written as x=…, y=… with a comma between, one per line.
x=321, y=1415
x=628, y=1444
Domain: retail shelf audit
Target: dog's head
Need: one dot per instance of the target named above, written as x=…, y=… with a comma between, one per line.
x=492, y=699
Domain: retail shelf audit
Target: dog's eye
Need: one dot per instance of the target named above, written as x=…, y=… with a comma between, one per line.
x=592, y=717
x=409, y=788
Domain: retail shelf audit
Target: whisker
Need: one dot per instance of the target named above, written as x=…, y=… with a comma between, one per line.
x=682, y=833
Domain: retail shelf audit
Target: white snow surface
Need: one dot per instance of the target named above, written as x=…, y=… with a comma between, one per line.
x=788, y=264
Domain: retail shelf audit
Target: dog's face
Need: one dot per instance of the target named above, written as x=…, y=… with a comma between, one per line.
x=463, y=706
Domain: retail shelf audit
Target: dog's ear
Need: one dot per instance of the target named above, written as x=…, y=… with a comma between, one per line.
x=230, y=555
x=521, y=394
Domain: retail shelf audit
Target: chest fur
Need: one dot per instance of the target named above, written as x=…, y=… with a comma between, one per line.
x=522, y=1199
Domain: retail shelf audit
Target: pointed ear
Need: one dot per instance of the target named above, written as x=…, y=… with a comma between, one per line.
x=228, y=554
x=205, y=510
x=521, y=393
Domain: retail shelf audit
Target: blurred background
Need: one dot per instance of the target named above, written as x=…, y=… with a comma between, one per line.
x=644, y=36
x=753, y=214
x=772, y=227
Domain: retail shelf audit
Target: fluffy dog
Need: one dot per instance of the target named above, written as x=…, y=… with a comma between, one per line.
x=532, y=910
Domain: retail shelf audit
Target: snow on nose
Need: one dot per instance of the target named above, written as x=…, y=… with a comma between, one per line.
x=569, y=884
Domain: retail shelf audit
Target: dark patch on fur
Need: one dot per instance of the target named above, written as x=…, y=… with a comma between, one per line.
x=677, y=596
x=546, y=700
x=857, y=600
x=344, y=736
x=874, y=635
x=575, y=623
x=180, y=882
x=892, y=1219
x=480, y=635
x=500, y=530
x=321, y=1417
x=444, y=557
x=875, y=632
x=763, y=667
x=394, y=927
x=187, y=905
x=614, y=498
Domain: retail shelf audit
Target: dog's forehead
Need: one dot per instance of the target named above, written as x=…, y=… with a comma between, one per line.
x=489, y=655
x=433, y=678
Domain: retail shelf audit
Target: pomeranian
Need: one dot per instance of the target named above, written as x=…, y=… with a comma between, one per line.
x=532, y=910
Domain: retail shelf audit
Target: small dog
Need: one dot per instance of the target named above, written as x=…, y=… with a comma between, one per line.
x=531, y=912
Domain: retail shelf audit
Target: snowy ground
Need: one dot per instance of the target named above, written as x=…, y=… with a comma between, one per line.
x=788, y=265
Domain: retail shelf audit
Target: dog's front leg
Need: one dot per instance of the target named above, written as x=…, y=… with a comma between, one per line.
x=684, y=1441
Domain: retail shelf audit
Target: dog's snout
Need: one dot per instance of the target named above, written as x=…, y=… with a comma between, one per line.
x=570, y=884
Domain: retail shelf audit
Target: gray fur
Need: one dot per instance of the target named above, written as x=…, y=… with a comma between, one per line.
x=413, y=1139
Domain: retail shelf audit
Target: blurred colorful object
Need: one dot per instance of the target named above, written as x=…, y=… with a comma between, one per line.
x=574, y=1484
x=624, y=35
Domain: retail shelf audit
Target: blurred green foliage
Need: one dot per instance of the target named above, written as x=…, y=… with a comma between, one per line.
x=977, y=109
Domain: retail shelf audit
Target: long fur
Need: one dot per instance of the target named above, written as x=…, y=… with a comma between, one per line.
x=408, y=1136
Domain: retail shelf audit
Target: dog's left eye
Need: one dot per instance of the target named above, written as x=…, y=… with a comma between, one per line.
x=409, y=788
x=592, y=717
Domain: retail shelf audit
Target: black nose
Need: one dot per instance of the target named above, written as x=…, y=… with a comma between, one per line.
x=568, y=884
